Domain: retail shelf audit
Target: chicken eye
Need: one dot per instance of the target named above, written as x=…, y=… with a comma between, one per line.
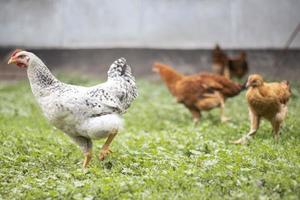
x=21, y=56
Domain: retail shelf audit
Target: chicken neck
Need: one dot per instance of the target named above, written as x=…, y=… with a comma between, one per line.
x=40, y=78
x=171, y=77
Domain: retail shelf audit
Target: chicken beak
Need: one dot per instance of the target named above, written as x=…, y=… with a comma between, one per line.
x=245, y=85
x=11, y=60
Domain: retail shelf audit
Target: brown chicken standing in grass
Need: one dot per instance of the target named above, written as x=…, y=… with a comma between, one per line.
x=266, y=100
x=199, y=92
x=229, y=67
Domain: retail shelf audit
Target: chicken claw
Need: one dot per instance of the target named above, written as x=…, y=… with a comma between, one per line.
x=87, y=159
x=105, y=149
x=104, y=153
x=242, y=141
x=195, y=121
x=224, y=119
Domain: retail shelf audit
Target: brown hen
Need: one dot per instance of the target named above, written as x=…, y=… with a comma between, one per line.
x=229, y=67
x=266, y=100
x=199, y=92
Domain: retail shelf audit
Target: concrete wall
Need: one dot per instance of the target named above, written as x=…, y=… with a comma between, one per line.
x=148, y=23
x=274, y=64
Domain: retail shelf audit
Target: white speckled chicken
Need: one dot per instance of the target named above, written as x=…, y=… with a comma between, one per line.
x=83, y=113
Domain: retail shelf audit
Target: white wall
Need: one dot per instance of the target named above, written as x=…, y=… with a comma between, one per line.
x=148, y=23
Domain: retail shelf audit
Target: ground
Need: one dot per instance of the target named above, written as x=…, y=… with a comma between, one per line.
x=159, y=155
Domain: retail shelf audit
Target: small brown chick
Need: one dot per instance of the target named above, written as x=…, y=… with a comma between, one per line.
x=266, y=100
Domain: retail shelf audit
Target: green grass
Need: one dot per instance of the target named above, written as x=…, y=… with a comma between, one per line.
x=159, y=155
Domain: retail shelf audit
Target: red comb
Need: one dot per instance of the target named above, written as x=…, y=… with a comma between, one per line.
x=15, y=52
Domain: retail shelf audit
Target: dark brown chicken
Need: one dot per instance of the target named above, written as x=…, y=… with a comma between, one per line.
x=199, y=92
x=229, y=67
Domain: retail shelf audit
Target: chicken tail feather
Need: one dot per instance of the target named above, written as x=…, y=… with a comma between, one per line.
x=121, y=72
x=118, y=68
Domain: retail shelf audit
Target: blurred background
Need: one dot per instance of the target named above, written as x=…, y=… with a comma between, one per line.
x=86, y=36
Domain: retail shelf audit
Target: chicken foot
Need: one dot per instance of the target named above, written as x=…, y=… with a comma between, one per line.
x=276, y=127
x=255, y=120
x=105, y=148
x=196, y=115
x=87, y=158
x=277, y=121
x=86, y=146
x=222, y=106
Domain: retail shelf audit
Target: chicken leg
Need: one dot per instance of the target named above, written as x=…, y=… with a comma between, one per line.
x=276, y=127
x=213, y=100
x=87, y=158
x=277, y=120
x=105, y=148
x=86, y=146
x=196, y=117
x=196, y=114
x=222, y=106
x=255, y=120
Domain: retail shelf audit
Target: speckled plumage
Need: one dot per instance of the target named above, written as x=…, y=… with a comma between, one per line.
x=83, y=113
